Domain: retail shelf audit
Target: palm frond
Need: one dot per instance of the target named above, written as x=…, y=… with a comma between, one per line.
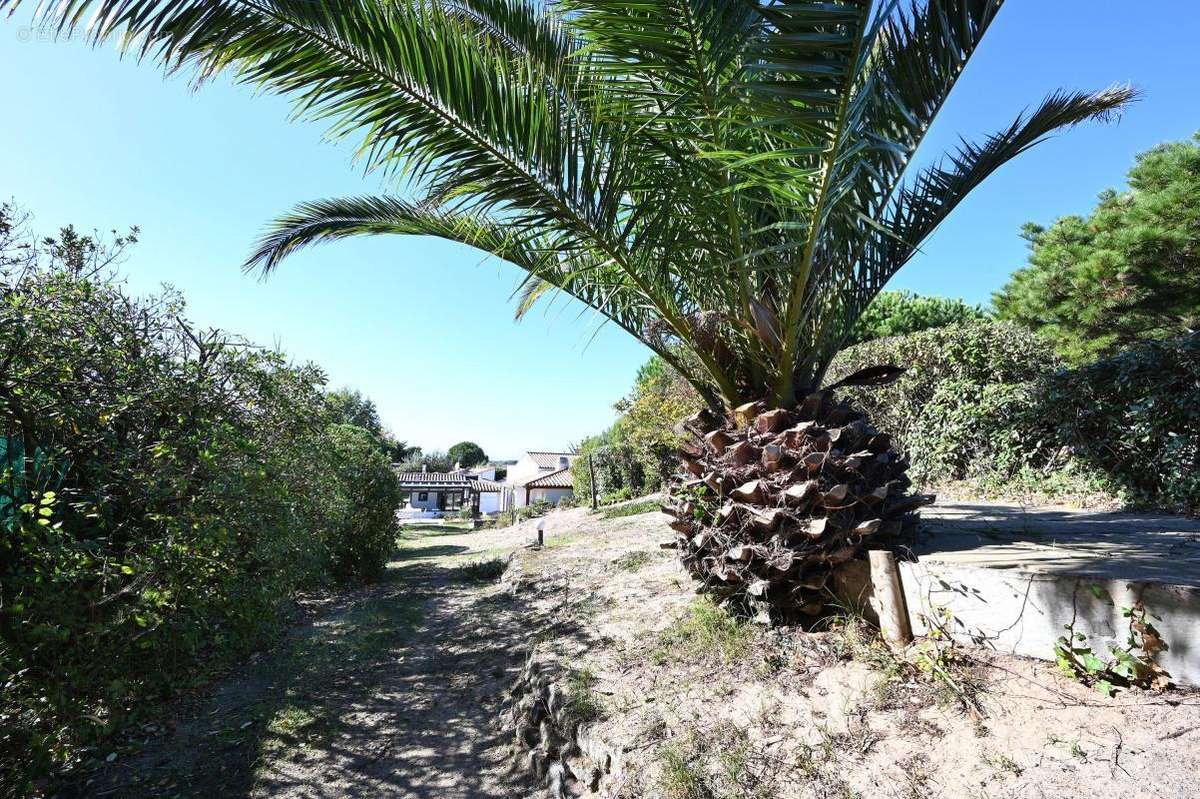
x=724, y=179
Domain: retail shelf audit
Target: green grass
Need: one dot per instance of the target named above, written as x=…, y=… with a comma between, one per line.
x=583, y=700
x=682, y=776
x=630, y=509
x=704, y=632
x=413, y=532
x=483, y=570
x=632, y=561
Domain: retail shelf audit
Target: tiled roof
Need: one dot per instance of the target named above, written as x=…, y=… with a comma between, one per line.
x=550, y=460
x=560, y=479
x=433, y=479
x=486, y=486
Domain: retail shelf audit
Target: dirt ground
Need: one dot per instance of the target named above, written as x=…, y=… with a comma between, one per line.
x=699, y=708
x=396, y=691
x=390, y=691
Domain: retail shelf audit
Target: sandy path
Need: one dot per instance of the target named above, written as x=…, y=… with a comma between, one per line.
x=389, y=691
x=427, y=728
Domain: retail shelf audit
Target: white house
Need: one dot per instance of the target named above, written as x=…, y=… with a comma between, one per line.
x=540, y=476
x=449, y=492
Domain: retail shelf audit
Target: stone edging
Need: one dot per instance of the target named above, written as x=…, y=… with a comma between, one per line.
x=564, y=755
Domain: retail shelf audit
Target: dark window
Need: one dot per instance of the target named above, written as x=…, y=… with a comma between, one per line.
x=422, y=496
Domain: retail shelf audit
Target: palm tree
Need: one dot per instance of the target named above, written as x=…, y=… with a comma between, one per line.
x=723, y=179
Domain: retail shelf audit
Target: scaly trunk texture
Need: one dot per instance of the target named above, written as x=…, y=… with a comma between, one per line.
x=776, y=501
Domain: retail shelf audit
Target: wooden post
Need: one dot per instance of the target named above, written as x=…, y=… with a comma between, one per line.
x=889, y=598
x=592, y=474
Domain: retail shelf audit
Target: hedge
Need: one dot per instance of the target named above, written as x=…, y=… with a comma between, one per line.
x=991, y=403
x=164, y=492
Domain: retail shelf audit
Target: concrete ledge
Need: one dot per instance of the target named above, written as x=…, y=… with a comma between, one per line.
x=1012, y=578
x=1024, y=612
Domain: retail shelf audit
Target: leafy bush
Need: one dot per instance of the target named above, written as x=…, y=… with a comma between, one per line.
x=349, y=406
x=163, y=492
x=365, y=493
x=991, y=403
x=974, y=354
x=617, y=495
x=898, y=313
x=638, y=454
x=533, y=510
x=1129, y=271
x=1136, y=416
x=484, y=570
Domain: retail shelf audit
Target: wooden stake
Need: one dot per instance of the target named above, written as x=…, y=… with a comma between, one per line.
x=592, y=480
x=889, y=598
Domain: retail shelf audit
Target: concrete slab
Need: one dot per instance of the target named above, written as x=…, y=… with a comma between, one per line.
x=1015, y=577
x=1049, y=540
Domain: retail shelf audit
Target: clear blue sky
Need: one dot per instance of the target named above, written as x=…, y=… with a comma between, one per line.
x=423, y=326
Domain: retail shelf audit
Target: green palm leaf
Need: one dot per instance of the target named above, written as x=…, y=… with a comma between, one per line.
x=724, y=179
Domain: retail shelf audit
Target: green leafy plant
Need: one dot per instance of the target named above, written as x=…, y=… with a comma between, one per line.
x=637, y=454
x=991, y=403
x=533, y=510
x=349, y=406
x=1131, y=665
x=898, y=313
x=164, y=493
x=483, y=570
x=364, y=532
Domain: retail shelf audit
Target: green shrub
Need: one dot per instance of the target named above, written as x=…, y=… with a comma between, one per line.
x=899, y=313
x=1135, y=416
x=973, y=353
x=484, y=570
x=366, y=493
x=990, y=403
x=621, y=494
x=163, y=493
x=533, y=510
x=631, y=509
x=638, y=454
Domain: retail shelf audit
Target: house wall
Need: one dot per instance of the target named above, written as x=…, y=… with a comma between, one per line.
x=551, y=495
x=521, y=473
x=489, y=502
x=430, y=503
